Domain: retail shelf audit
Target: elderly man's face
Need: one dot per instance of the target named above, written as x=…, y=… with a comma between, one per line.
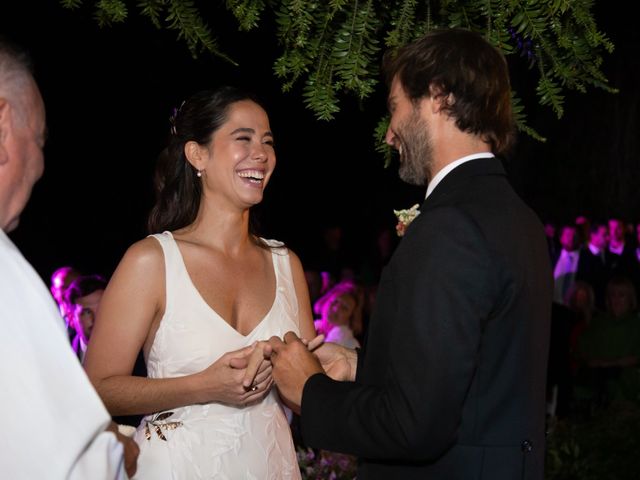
x=22, y=141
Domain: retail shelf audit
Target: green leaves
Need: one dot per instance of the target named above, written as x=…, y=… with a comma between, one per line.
x=152, y=9
x=71, y=4
x=247, y=12
x=379, y=139
x=354, y=50
x=334, y=45
x=110, y=11
x=184, y=17
x=333, y=48
x=520, y=118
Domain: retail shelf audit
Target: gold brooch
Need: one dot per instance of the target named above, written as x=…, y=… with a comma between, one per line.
x=158, y=423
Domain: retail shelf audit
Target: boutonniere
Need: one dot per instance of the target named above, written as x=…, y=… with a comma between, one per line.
x=405, y=217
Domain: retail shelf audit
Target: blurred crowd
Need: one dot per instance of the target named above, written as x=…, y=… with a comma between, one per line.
x=595, y=335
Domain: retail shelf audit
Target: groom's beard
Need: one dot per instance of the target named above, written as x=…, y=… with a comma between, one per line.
x=416, y=159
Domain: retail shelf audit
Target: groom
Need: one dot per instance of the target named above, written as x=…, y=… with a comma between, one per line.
x=451, y=384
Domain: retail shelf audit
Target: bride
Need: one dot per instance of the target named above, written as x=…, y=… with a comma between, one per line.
x=197, y=297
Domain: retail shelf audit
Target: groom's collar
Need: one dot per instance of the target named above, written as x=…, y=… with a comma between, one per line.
x=449, y=167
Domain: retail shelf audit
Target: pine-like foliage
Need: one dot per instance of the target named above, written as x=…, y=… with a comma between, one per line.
x=332, y=48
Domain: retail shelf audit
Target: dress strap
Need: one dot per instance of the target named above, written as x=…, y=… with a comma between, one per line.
x=172, y=261
x=284, y=276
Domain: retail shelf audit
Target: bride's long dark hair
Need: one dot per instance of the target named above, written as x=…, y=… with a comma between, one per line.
x=178, y=188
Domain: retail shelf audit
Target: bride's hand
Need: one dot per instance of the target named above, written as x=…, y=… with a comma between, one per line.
x=314, y=343
x=223, y=380
x=257, y=366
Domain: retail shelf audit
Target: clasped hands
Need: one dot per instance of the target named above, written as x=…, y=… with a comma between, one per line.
x=291, y=361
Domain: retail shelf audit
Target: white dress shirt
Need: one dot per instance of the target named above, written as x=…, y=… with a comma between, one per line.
x=447, y=169
x=616, y=250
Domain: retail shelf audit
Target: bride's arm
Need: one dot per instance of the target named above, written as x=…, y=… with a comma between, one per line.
x=131, y=306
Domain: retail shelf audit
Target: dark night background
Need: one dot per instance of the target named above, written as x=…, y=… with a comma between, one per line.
x=109, y=93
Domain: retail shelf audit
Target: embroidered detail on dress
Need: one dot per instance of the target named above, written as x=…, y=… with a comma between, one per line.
x=158, y=423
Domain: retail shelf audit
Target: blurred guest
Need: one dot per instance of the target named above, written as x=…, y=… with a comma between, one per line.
x=582, y=304
x=592, y=265
x=341, y=310
x=566, y=265
x=622, y=259
x=61, y=278
x=622, y=255
x=610, y=346
x=83, y=298
x=552, y=241
x=583, y=223
x=617, y=241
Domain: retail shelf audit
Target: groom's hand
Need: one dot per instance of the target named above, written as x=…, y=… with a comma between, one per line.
x=293, y=364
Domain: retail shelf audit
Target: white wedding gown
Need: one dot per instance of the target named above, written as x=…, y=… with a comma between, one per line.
x=214, y=441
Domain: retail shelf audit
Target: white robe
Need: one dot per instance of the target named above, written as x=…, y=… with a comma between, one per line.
x=51, y=419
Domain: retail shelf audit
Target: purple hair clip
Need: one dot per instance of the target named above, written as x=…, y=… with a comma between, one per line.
x=173, y=117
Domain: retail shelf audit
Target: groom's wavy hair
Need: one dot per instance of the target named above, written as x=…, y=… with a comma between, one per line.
x=467, y=73
x=178, y=188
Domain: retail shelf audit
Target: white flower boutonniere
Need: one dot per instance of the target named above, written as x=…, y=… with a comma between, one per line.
x=405, y=217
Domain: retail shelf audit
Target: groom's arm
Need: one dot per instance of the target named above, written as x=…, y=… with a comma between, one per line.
x=443, y=288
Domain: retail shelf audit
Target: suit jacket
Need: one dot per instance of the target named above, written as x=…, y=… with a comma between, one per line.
x=451, y=383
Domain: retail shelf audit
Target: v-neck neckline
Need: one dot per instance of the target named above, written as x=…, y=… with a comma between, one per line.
x=211, y=309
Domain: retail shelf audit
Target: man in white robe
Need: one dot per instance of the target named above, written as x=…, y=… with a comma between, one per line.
x=54, y=425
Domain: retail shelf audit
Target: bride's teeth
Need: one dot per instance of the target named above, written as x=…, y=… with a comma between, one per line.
x=252, y=174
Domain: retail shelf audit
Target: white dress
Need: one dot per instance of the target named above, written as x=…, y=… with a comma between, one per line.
x=214, y=441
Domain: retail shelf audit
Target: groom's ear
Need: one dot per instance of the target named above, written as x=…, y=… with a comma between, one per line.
x=439, y=100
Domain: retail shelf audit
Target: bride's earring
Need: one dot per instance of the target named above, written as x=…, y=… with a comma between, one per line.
x=199, y=173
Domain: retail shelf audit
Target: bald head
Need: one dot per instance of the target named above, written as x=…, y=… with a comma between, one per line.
x=22, y=130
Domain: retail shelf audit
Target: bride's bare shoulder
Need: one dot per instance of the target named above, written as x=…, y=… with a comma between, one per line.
x=144, y=254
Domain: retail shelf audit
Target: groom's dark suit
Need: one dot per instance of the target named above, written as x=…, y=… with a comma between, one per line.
x=451, y=384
